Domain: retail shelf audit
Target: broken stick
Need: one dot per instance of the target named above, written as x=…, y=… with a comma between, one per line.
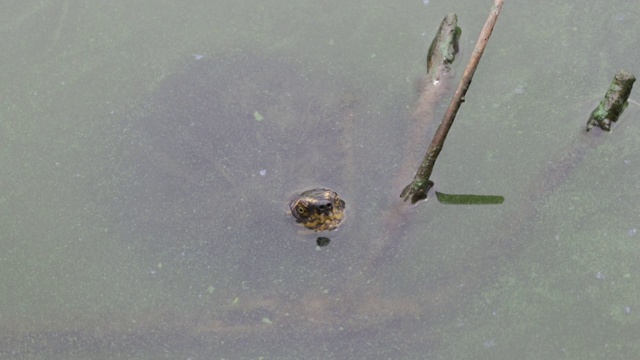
x=613, y=103
x=418, y=188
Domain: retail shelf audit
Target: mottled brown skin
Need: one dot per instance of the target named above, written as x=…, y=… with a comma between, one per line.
x=318, y=209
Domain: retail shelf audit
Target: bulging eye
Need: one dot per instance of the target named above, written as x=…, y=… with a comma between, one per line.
x=301, y=210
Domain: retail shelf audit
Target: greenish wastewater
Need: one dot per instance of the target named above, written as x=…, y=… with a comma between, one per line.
x=148, y=149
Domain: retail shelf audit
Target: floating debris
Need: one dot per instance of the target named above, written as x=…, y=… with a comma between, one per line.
x=323, y=241
x=613, y=103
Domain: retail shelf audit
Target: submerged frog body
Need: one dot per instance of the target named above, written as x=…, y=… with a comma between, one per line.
x=318, y=209
x=229, y=138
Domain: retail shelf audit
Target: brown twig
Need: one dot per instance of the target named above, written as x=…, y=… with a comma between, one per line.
x=418, y=188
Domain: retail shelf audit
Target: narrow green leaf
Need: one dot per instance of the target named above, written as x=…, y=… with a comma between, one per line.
x=468, y=199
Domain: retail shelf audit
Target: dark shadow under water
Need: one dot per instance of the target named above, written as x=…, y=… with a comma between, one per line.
x=207, y=163
x=212, y=157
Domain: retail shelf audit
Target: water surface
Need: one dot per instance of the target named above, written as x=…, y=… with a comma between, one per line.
x=137, y=221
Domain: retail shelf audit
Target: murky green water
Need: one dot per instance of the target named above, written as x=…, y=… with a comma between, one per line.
x=143, y=201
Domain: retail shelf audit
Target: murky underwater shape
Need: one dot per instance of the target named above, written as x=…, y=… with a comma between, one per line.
x=195, y=150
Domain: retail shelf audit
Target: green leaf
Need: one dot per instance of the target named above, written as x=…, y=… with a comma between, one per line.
x=468, y=199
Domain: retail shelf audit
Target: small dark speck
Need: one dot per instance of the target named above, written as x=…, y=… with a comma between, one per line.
x=323, y=241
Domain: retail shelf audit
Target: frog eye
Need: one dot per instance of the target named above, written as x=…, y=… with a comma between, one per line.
x=301, y=210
